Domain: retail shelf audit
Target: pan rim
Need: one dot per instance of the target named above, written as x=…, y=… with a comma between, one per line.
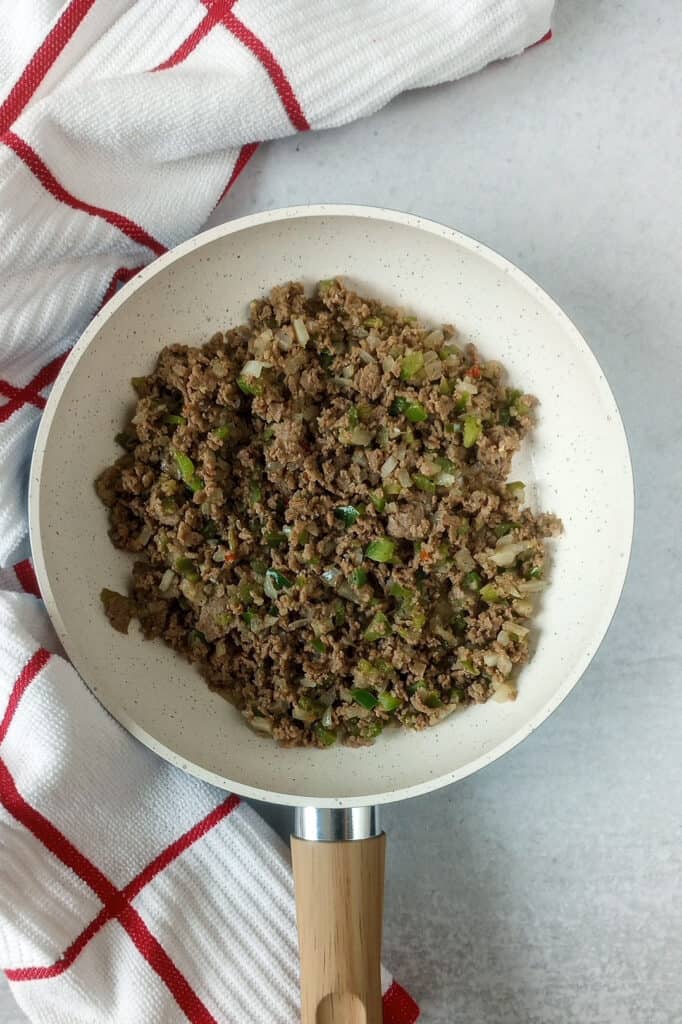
x=368, y=213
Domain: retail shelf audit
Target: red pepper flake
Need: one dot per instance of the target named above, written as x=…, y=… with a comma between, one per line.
x=425, y=555
x=231, y=556
x=475, y=372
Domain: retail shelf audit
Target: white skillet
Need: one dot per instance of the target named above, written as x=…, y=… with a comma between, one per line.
x=577, y=466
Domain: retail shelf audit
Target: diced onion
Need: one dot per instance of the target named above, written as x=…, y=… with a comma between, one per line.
x=388, y=466
x=360, y=435
x=506, y=555
x=531, y=586
x=504, y=692
x=166, y=580
x=284, y=341
x=515, y=629
x=500, y=661
x=346, y=591
x=301, y=332
x=366, y=356
x=260, y=724
x=301, y=715
x=434, y=339
x=144, y=536
x=254, y=368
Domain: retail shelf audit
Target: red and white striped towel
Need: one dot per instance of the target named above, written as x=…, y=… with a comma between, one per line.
x=130, y=892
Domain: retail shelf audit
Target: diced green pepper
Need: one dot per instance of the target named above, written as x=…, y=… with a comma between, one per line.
x=504, y=528
x=279, y=581
x=222, y=433
x=318, y=645
x=398, y=406
x=490, y=594
x=174, y=421
x=365, y=698
x=250, y=385
x=382, y=550
x=416, y=413
x=378, y=500
x=472, y=431
x=423, y=483
x=412, y=364
x=462, y=402
x=378, y=628
x=392, y=487
x=348, y=514
x=516, y=487
x=187, y=472
x=327, y=737
x=472, y=580
x=359, y=577
x=400, y=593
x=389, y=701
x=187, y=568
x=432, y=700
x=374, y=321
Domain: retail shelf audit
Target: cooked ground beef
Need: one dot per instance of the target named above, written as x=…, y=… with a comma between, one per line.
x=319, y=504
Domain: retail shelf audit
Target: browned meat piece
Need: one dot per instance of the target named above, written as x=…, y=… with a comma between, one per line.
x=118, y=609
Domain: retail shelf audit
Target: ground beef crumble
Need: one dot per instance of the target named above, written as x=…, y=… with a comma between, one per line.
x=319, y=505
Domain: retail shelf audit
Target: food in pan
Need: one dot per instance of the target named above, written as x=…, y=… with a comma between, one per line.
x=320, y=507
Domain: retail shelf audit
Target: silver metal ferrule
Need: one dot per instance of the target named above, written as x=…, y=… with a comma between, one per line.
x=336, y=824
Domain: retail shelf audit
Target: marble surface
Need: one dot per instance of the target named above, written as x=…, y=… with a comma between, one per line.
x=547, y=889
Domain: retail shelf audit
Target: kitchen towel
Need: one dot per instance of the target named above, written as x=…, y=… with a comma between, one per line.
x=130, y=892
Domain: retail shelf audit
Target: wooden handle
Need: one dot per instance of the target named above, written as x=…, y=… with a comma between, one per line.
x=339, y=909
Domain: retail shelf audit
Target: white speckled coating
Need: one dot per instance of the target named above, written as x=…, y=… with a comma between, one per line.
x=578, y=462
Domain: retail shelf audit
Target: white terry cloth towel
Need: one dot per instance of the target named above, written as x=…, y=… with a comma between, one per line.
x=130, y=892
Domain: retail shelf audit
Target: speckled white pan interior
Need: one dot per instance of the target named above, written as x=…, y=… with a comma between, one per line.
x=578, y=464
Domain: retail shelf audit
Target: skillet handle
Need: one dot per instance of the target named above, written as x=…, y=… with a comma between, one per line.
x=339, y=910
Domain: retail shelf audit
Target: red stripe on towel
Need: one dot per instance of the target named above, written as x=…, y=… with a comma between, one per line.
x=28, y=673
x=42, y=60
x=25, y=573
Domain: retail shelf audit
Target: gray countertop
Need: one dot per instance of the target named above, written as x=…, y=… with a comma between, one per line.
x=547, y=889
